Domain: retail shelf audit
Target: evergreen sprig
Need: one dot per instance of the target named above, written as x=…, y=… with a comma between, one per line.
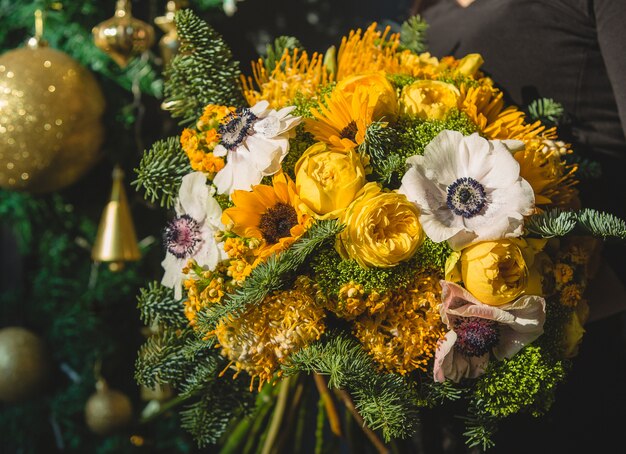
x=275, y=51
x=602, y=224
x=546, y=110
x=270, y=275
x=384, y=400
x=160, y=360
x=157, y=304
x=203, y=71
x=161, y=171
x=412, y=34
x=551, y=223
x=556, y=223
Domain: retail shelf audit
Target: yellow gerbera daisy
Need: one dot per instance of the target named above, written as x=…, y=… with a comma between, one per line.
x=268, y=213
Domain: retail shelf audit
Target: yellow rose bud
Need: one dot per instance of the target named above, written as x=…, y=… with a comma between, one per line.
x=470, y=64
x=381, y=229
x=429, y=99
x=327, y=181
x=495, y=272
x=381, y=94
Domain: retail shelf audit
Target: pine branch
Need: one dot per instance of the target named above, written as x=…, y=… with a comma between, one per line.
x=552, y=223
x=412, y=34
x=161, y=171
x=160, y=360
x=275, y=51
x=384, y=400
x=602, y=224
x=546, y=110
x=157, y=304
x=203, y=71
x=270, y=275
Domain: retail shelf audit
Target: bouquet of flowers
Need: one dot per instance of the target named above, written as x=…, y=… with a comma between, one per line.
x=373, y=217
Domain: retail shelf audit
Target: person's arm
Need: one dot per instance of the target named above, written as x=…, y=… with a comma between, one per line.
x=611, y=27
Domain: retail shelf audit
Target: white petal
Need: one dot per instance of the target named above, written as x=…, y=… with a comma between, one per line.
x=173, y=277
x=193, y=195
x=527, y=325
x=260, y=108
x=442, y=157
x=503, y=169
x=422, y=191
x=220, y=151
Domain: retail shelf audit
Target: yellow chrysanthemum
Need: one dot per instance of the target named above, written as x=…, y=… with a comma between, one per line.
x=295, y=73
x=203, y=290
x=403, y=336
x=484, y=105
x=571, y=295
x=212, y=116
x=271, y=214
x=267, y=333
x=551, y=177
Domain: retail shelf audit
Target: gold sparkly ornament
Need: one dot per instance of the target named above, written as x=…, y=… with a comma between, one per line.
x=23, y=364
x=50, y=118
x=123, y=36
x=107, y=410
x=116, y=241
x=169, y=42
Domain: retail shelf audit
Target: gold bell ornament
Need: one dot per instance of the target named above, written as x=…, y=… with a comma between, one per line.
x=116, y=241
x=169, y=42
x=50, y=117
x=122, y=37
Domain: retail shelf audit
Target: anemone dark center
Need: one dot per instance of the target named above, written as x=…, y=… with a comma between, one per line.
x=182, y=236
x=466, y=197
x=236, y=127
x=349, y=132
x=277, y=222
x=475, y=335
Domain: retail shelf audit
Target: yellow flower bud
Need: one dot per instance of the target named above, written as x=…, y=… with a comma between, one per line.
x=470, y=64
x=429, y=99
x=382, y=96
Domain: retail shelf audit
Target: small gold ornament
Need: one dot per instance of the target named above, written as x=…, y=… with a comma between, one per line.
x=107, y=410
x=116, y=241
x=169, y=43
x=23, y=364
x=160, y=393
x=122, y=37
x=50, y=118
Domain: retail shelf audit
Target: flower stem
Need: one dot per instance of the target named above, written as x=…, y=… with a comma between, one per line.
x=331, y=410
x=376, y=441
x=277, y=417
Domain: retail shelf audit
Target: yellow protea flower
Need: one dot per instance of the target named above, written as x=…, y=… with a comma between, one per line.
x=403, y=336
x=270, y=214
x=551, y=177
x=295, y=73
x=267, y=333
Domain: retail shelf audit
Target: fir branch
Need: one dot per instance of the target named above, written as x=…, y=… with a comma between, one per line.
x=438, y=393
x=602, y=224
x=479, y=432
x=546, y=110
x=275, y=51
x=384, y=400
x=270, y=275
x=161, y=171
x=160, y=360
x=157, y=304
x=552, y=223
x=587, y=169
x=412, y=34
x=203, y=71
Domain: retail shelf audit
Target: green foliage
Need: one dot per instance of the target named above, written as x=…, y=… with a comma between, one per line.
x=161, y=171
x=270, y=275
x=160, y=359
x=384, y=400
x=601, y=224
x=526, y=382
x=587, y=169
x=546, y=110
x=401, y=80
x=438, y=393
x=157, y=305
x=297, y=146
x=479, y=432
x=304, y=104
x=412, y=34
x=203, y=71
x=551, y=223
x=275, y=51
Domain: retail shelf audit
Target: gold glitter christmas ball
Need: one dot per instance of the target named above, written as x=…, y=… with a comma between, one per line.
x=107, y=410
x=50, y=120
x=23, y=364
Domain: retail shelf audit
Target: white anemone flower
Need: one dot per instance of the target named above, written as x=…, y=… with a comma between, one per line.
x=191, y=234
x=254, y=141
x=468, y=189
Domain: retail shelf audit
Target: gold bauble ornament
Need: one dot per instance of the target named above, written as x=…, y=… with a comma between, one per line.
x=23, y=364
x=122, y=37
x=107, y=410
x=169, y=42
x=50, y=119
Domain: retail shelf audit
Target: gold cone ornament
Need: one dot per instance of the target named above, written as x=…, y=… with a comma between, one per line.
x=50, y=117
x=122, y=37
x=169, y=42
x=116, y=241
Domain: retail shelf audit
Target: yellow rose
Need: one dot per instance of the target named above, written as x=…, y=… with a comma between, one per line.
x=381, y=94
x=429, y=99
x=470, y=64
x=497, y=272
x=327, y=181
x=381, y=229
